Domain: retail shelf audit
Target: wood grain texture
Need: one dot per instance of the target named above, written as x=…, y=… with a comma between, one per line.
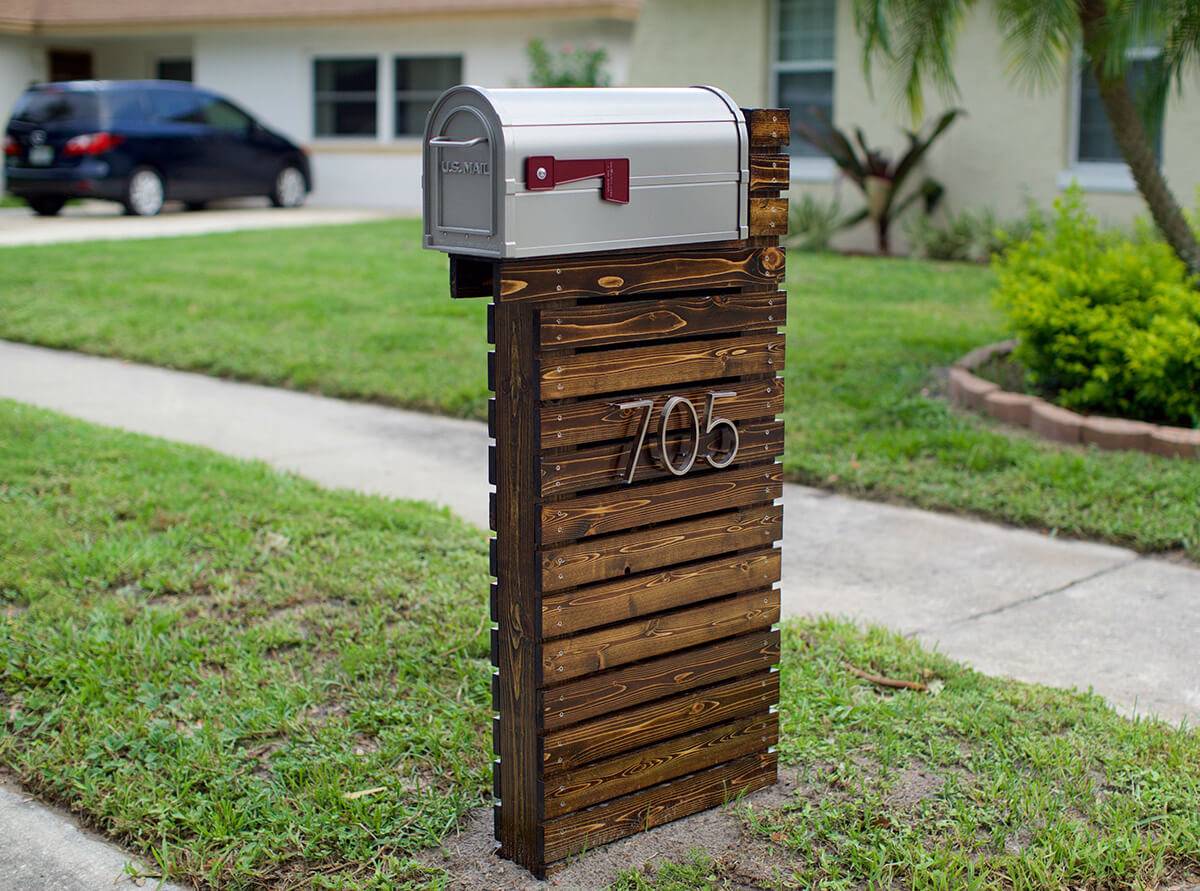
x=593, y=651
x=623, y=688
x=594, y=420
x=516, y=643
x=659, y=502
x=580, y=744
x=768, y=126
x=640, y=595
x=599, y=559
x=769, y=216
x=663, y=761
x=641, y=272
x=608, y=464
x=660, y=364
x=769, y=173
x=641, y=321
x=658, y=805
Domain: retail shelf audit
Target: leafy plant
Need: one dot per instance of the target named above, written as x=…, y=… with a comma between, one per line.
x=813, y=222
x=1106, y=323
x=569, y=66
x=971, y=235
x=876, y=175
x=917, y=39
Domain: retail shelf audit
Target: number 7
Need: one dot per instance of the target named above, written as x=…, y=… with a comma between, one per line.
x=648, y=405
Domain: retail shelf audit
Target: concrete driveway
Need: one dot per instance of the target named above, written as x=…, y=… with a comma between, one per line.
x=102, y=220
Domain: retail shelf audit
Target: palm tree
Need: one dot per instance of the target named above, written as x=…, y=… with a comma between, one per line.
x=916, y=38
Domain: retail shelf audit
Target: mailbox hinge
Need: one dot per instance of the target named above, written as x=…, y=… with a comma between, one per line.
x=544, y=172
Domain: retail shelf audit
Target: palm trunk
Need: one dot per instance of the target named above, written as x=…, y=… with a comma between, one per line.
x=1134, y=142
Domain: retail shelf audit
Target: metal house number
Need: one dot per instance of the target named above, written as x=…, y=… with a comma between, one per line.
x=681, y=403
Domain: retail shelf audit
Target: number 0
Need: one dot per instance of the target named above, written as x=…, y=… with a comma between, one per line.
x=662, y=435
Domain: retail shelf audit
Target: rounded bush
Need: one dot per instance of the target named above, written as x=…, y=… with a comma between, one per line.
x=1107, y=323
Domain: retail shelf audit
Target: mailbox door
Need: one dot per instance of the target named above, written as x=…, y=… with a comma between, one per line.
x=463, y=178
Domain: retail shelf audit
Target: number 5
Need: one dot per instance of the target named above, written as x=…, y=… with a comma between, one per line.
x=713, y=423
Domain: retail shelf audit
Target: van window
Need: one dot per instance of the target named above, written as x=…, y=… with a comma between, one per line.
x=75, y=108
x=127, y=107
x=225, y=116
x=177, y=106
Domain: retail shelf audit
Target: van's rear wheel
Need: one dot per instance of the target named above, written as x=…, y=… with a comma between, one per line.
x=290, y=188
x=46, y=205
x=144, y=195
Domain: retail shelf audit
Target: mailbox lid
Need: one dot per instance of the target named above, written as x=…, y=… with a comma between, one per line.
x=687, y=153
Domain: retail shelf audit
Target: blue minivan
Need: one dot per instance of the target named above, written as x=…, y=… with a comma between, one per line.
x=142, y=143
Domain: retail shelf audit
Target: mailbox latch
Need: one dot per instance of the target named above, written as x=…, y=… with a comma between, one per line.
x=544, y=172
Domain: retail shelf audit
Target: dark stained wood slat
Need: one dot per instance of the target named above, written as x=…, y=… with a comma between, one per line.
x=471, y=276
x=769, y=216
x=656, y=365
x=580, y=423
x=645, y=320
x=647, y=503
x=658, y=805
x=608, y=465
x=592, y=651
x=516, y=642
x=769, y=172
x=664, y=761
x=640, y=272
x=599, y=694
x=767, y=126
x=641, y=595
x=599, y=559
x=613, y=734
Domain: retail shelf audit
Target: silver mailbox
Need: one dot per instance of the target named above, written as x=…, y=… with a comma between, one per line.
x=528, y=173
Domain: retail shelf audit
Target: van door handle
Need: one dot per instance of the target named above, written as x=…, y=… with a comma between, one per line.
x=544, y=172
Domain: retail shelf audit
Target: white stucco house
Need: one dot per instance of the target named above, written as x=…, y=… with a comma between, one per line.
x=351, y=80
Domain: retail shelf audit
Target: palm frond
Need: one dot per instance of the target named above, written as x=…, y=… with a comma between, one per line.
x=1039, y=37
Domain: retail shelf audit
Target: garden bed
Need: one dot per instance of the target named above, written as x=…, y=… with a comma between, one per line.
x=1049, y=421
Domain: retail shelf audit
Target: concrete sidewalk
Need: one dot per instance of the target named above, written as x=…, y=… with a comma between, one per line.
x=1008, y=601
x=104, y=221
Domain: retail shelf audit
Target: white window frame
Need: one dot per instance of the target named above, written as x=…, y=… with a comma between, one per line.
x=803, y=170
x=1095, y=176
x=383, y=115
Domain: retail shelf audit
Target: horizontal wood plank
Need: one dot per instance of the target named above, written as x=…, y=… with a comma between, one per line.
x=608, y=464
x=623, y=688
x=657, y=805
x=663, y=761
x=599, y=559
x=768, y=126
x=641, y=272
x=613, y=734
x=640, y=595
x=595, y=420
x=656, y=365
x=769, y=173
x=660, y=502
x=641, y=321
x=615, y=645
x=768, y=216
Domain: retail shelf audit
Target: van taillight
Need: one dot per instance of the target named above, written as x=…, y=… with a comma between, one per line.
x=92, y=144
x=11, y=147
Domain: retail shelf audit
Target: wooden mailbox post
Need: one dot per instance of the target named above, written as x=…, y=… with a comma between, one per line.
x=637, y=437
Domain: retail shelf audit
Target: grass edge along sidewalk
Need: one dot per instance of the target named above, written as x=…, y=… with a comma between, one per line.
x=258, y=683
x=360, y=312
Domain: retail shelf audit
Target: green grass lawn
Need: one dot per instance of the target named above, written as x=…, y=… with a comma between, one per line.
x=361, y=312
x=258, y=683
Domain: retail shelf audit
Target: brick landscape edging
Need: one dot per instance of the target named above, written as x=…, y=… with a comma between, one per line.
x=1048, y=421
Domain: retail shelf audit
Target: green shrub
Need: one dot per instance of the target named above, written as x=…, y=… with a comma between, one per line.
x=968, y=235
x=1106, y=323
x=812, y=223
x=569, y=66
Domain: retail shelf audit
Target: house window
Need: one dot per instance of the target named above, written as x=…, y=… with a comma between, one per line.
x=345, y=96
x=418, y=83
x=1095, y=143
x=803, y=67
x=174, y=69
